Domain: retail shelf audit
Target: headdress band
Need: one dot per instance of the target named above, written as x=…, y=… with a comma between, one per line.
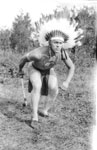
x=57, y=38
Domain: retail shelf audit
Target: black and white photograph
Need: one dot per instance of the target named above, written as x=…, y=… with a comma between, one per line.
x=48, y=74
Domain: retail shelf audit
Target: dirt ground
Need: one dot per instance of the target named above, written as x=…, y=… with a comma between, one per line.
x=69, y=129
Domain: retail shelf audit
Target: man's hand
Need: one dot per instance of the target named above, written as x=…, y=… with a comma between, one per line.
x=21, y=74
x=64, y=85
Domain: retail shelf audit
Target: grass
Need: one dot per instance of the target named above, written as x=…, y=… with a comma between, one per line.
x=70, y=129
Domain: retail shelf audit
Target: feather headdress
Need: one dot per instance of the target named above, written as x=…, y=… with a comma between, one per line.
x=62, y=28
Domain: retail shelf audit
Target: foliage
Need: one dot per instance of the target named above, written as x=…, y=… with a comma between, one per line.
x=9, y=62
x=4, y=39
x=21, y=33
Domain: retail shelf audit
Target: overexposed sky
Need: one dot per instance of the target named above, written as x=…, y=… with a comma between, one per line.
x=9, y=9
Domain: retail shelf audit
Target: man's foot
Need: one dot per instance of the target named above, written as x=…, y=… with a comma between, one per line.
x=46, y=114
x=35, y=124
x=43, y=113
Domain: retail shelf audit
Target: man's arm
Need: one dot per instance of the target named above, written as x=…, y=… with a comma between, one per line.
x=66, y=59
x=31, y=56
x=22, y=62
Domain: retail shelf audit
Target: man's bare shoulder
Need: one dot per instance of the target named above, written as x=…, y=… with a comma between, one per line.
x=37, y=52
x=42, y=49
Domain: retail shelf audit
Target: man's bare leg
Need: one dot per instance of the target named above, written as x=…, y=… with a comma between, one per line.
x=35, y=79
x=52, y=93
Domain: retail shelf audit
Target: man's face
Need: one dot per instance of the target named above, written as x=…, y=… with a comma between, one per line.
x=56, y=45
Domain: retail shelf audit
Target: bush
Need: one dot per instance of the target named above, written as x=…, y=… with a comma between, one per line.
x=9, y=63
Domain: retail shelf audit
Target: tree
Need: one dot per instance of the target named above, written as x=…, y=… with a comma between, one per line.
x=21, y=33
x=4, y=39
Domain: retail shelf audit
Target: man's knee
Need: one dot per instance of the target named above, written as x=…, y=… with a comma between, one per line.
x=53, y=86
x=53, y=91
x=36, y=82
x=53, y=82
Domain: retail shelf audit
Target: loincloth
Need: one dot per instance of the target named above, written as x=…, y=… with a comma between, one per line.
x=44, y=79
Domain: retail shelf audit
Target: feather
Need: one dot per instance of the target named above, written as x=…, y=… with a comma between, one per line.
x=63, y=28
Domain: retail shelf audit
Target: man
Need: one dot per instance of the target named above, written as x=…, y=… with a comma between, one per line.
x=42, y=76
